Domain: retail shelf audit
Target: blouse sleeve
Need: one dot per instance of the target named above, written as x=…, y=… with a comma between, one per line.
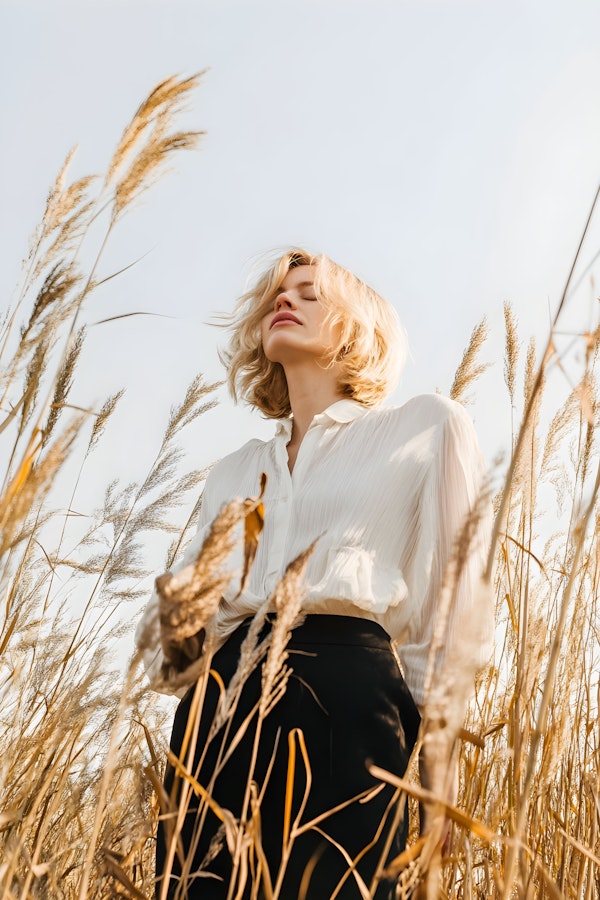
x=452, y=608
x=147, y=633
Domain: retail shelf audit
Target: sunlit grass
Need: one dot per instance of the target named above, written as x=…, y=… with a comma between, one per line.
x=82, y=748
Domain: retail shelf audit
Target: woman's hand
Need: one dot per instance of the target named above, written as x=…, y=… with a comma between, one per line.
x=182, y=630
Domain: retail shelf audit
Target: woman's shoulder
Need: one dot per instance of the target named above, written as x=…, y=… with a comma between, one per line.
x=426, y=410
x=235, y=475
x=252, y=451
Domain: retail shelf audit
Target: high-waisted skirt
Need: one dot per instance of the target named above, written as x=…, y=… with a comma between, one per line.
x=348, y=697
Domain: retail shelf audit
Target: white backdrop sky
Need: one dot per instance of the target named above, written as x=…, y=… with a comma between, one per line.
x=447, y=152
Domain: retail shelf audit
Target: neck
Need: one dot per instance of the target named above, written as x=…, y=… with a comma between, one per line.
x=311, y=390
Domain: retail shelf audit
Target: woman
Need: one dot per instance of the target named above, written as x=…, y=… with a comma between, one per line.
x=383, y=492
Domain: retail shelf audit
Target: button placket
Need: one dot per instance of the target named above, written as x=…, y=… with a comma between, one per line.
x=287, y=489
x=282, y=510
x=305, y=453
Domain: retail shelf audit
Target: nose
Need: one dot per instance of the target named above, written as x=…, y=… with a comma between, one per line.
x=283, y=301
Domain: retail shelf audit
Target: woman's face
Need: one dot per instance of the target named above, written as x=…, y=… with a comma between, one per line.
x=295, y=326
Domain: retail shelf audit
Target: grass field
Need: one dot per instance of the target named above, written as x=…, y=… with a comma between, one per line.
x=81, y=750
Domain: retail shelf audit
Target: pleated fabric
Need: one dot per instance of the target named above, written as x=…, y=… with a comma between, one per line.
x=347, y=695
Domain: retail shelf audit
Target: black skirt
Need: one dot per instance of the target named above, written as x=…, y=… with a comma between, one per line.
x=347, y=695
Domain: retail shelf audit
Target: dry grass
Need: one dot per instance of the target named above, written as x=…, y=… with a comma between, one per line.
x=82, y=750
x=77, y=808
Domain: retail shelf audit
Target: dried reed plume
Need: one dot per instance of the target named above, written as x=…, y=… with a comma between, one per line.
x=469, y=369
x=287, y=600
x=189, y=599
x=511, y=351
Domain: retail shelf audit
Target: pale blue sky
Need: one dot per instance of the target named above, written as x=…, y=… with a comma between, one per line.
x=447, y=152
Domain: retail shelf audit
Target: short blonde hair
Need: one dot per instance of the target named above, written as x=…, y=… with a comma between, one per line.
x=371, y=347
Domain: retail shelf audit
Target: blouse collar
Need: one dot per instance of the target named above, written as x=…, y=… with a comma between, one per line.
x=341, y=412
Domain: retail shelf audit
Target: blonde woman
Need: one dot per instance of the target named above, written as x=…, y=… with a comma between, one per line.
x=384, y=492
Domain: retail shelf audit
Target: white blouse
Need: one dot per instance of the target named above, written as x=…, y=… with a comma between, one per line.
x=385, y=491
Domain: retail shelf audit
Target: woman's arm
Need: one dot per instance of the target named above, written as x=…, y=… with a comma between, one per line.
x=451, y=625
x=451, y=630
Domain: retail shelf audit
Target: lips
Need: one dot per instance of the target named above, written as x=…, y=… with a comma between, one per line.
x=284, y=317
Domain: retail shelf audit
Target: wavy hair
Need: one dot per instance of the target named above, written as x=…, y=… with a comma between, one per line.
x=371, y=349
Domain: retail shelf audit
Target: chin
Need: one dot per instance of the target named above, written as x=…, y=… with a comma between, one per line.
x=281, y=350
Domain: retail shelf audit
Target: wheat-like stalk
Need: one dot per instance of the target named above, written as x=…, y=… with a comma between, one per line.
x=469, y=369
x=511, y=352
